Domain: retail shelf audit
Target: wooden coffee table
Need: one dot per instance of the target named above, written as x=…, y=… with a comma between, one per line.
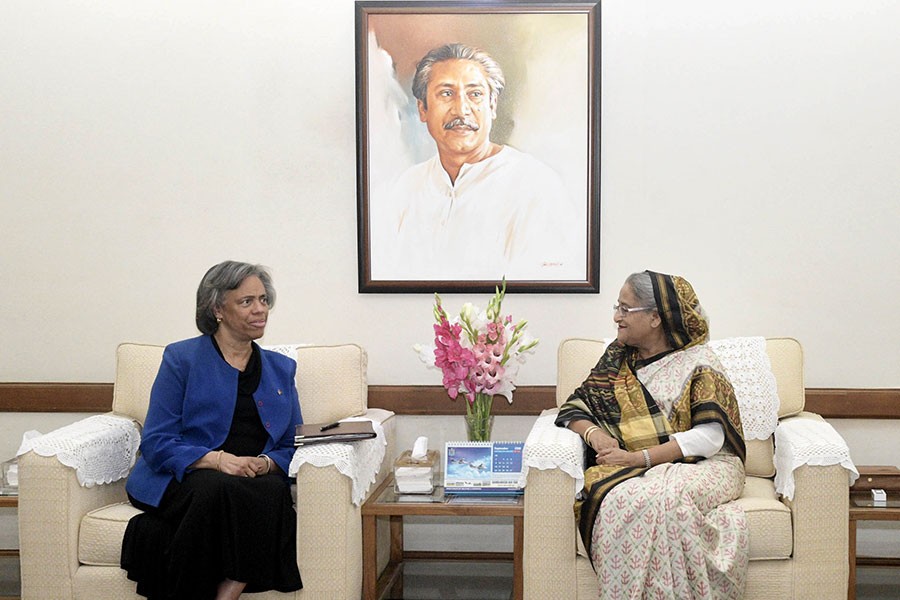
x=9, y=502
x=384, y=502
x=862, y=509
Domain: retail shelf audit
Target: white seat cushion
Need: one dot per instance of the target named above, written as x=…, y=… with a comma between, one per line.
x=101, y=534
x=771, y=533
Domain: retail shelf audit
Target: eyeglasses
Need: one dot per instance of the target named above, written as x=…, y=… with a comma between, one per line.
x=627, y=310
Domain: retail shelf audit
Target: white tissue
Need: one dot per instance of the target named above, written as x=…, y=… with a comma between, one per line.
x=414, y=469
x=420, y=448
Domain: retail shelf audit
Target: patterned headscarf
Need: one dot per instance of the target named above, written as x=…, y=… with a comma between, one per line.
x=678, y=306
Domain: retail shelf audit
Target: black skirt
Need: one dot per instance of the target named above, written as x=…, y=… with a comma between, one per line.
x=211, y=527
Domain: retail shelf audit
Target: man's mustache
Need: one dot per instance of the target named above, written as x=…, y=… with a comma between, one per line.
x=462, y=122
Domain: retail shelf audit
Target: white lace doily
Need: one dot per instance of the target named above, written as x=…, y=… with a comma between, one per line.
x=289, y=350
x=101, y=449
x=747, y=367
x=552, y=447
x=357, y=460
x=801, y=441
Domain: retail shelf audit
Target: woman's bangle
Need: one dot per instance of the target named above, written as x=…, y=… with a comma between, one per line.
x=219, y=460
x=268, y=463
x=646, y=454
x=586, y=436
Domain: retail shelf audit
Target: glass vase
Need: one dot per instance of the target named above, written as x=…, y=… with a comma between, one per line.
x=479, y=420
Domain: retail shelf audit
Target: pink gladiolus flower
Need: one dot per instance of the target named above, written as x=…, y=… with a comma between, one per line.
x=454, y=361
x=479, y=353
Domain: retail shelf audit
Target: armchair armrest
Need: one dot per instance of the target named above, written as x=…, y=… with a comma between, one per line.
x=101, y=449
x=550, y=447
x=52, y=501
x=819, y=512
x=553, y=465
x=360, y=461
x=329, y=523
x=808, y=439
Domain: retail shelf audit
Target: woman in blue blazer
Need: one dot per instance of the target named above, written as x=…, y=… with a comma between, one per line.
x=216, y=446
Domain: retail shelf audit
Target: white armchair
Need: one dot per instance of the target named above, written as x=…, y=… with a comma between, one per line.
x=71, y=535
x=798, y=547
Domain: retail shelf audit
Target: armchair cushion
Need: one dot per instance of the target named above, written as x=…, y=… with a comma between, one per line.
x=760, y=458
x=769, y=520
x=786, y=358
x=101, y=533
x=136, y=369
x=339, y=369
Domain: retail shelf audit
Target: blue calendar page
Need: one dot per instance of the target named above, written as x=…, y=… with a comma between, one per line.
x=482, y=467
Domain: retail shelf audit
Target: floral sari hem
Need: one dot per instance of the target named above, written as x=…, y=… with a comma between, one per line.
x=673, y=533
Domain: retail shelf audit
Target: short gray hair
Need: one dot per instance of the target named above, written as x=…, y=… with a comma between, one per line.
x=492, y=71
x=642, y=287
x=222, y=278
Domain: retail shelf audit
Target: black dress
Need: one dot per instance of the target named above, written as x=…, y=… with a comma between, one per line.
x=213, y=526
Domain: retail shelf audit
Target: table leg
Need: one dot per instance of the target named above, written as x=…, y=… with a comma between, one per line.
x=370, y=557
x=851, y=555
x=397, y=554
x=518, y=544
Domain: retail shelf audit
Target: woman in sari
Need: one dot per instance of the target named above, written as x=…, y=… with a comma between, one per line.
x=665, y=453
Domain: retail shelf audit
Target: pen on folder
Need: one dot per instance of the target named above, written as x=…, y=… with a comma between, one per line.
x=330, y=426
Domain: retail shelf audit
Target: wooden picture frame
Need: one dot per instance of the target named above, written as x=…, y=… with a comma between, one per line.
x=478, y=176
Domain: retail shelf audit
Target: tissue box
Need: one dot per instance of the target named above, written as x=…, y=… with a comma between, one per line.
x=415, y=476
x=9, y=478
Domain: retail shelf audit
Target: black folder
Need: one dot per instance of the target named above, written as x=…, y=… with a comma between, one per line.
x=329, y=433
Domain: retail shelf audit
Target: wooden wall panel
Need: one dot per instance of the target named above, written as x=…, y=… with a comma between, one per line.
x=56, y=397
x=837, y=403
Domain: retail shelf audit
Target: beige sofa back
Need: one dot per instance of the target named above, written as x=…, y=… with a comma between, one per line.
x=576, y=357
x=334, y=373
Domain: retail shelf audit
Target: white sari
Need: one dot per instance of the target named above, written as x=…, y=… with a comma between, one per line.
x=670, y=533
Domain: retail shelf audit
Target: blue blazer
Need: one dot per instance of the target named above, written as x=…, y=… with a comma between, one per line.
x=191, y=407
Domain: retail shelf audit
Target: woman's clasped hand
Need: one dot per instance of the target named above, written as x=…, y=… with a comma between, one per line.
x=245, y=466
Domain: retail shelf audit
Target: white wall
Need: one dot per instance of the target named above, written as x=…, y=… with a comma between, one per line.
x=751, y=147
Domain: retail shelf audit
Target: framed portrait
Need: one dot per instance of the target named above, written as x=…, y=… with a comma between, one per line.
x=478, y=136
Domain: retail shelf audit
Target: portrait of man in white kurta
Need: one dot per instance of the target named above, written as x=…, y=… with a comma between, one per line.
x=466, y=206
